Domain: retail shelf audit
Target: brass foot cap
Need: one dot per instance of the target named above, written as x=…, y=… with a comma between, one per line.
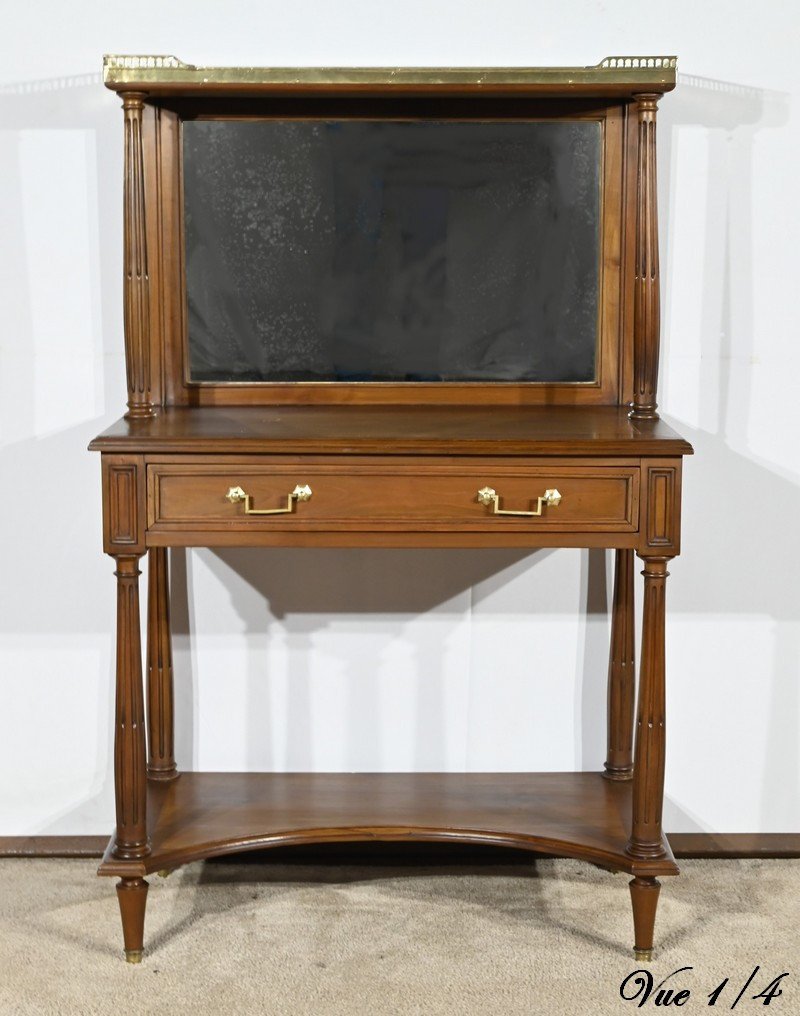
x=133, y=955
x=643, y=955
x=165, y=872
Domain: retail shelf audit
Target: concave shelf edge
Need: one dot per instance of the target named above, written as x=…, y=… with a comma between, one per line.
x=599, y=838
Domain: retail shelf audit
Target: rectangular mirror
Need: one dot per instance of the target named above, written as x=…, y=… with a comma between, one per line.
x=394, y=251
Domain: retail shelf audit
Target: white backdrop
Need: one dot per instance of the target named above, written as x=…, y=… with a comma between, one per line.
x=390, y=659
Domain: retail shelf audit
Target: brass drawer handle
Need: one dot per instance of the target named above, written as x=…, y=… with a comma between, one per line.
x=487, y=496
x=236, y=494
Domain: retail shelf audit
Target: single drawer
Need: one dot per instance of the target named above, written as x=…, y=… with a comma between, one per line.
x=361, y=494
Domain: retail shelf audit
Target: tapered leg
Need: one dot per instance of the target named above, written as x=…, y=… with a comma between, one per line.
x=648, y=773
x=621, y=672
x=132, y=896
x=130, y=776
x=644, y=897
x=160, y=703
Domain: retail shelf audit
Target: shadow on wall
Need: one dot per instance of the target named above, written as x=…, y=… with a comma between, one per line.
x=295, y=594
x=719, y=575
x=46, y=420
x=750, y=571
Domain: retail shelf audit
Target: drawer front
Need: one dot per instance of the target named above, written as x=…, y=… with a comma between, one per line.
x=385, y=495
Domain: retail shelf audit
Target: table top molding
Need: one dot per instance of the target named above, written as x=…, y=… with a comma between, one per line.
x=162, y=74
x=410, y=430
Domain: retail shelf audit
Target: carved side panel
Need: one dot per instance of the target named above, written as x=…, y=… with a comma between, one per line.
x=647, y=310
x=123, y=504
x=136, y=282
x=660, y=511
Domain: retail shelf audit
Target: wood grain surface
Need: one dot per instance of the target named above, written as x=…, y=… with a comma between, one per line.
x=396, y=430
x=206, y=814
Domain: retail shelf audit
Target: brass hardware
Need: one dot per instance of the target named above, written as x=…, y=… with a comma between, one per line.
x=489, y=496
x=638, y=62
x=164, y=872
x=133, y=955
x=643, y=955
x=120, y=71
x=236, y=494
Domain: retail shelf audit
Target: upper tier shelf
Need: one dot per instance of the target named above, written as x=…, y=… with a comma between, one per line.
x=394, y=430
x=167, y=75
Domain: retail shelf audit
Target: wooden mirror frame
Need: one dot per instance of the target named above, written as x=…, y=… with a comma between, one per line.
x=157, y=97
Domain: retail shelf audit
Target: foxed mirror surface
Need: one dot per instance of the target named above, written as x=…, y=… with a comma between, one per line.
x=394, y=251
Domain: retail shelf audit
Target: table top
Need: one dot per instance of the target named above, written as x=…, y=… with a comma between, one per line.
x=163, y=74
x=393, y=430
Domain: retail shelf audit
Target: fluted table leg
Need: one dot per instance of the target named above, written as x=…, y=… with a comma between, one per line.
x=621, y=672
x=648, y=773
x=646, y=840
x=160, y=693
x=130, y=777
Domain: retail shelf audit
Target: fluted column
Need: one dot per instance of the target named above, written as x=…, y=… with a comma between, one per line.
x=130, y=777
x=136, y=282
x=648, y=770
x=621, y=672
x=160, y=693
x=647, y=310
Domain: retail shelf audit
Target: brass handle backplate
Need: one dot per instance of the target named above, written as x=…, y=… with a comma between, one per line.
x=489, y=496
x=236, y=494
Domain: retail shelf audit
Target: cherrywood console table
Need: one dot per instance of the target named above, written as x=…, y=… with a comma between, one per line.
x=269, y=462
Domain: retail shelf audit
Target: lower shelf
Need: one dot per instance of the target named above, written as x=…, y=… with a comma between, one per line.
x=201, y=815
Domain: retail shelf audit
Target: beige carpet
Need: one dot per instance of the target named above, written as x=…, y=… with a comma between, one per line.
x=550, y=937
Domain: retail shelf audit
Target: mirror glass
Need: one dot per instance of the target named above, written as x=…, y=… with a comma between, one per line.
x=399, y=251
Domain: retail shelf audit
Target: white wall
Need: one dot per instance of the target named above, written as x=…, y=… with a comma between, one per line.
x=390, y=659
